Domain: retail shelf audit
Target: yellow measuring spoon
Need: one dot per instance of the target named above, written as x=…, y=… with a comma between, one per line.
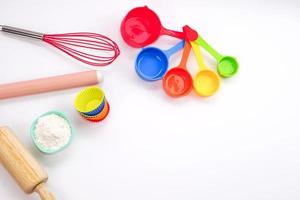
x=206, y=82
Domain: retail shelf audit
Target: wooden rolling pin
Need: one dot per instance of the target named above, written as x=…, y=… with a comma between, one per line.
x=48, y=84
x=21, y=165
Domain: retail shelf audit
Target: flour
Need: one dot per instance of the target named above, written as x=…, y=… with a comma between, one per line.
x=52, y=132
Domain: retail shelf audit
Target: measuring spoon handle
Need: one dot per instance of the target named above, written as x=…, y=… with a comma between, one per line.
x=172, y=33
x=199, y=57
x=185, y=55
x=209, y=48
x=174, y=49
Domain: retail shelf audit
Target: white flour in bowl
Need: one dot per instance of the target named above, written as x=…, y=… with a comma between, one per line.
x=52, y=132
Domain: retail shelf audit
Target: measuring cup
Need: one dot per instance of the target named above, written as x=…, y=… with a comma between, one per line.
x=206, y=82
x=152, y=63
x=141, y=27
x=178, y=81
x=227, y=65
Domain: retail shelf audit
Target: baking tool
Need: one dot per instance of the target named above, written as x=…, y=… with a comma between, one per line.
x=141, y=27
x=101, y=116
x=41, y=147
x=90, y=100
x=90, y=48
x=22, y=166
x=227, y=66
x=50, y=84
x=206, y=82
x=99, y=111
x=152, y=63
x=96, y=111
x=178, y=81
x=92, y=104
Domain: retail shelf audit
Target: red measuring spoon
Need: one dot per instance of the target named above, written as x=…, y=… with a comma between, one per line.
x=178, y=81
x=141, y=27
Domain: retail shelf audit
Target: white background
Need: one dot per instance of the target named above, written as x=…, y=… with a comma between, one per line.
x=243, y=143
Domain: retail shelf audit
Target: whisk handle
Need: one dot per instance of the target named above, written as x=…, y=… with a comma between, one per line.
x=22, y=32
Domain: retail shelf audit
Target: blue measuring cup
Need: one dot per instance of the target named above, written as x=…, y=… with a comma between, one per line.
x=152, y=63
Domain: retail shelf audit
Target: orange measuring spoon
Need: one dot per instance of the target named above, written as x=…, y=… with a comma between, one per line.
x=178, y=81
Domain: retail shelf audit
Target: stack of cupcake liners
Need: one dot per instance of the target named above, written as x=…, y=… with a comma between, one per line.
x=91, y=104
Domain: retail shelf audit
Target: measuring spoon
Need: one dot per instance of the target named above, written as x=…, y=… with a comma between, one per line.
x=178, y=81
x=152, y=63
x=141, y=27
x=206, y=82
x=227, y=65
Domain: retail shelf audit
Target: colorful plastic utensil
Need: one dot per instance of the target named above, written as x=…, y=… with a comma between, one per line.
x=227, y=65
x=206, y=82
x=178, y=81
x=152, y=63
x=141, y=27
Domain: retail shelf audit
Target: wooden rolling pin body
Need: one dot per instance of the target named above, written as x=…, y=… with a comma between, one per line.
x=22, y=166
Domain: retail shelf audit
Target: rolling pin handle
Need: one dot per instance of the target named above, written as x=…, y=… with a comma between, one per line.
x=42, y=190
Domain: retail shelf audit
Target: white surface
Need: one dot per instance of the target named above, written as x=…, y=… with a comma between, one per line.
x=242, y=143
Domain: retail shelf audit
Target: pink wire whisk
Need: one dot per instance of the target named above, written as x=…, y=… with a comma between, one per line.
x=90, y=48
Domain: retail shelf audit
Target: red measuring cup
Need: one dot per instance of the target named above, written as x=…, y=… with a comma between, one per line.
x=178, y=81
x=141, y=27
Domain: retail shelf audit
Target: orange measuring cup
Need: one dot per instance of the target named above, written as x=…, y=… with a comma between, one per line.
x=178, y=81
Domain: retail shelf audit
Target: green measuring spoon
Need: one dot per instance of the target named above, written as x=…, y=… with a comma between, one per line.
x=227, y=65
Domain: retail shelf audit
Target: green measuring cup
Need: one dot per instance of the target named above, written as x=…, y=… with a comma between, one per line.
x=227, y=65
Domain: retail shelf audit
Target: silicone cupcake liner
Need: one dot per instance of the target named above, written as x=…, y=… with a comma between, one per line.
x=101, y=116
x=100, y=119
x=92, y=116
x=89, y=100
x=97, y=111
